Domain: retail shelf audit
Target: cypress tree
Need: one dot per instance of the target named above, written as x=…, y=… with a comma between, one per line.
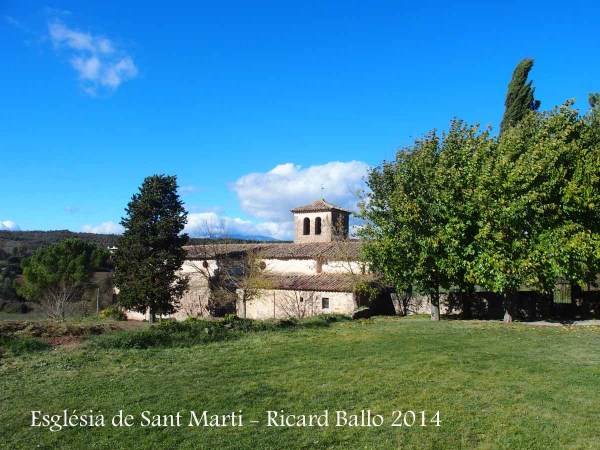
x=150, y=252
x=519, y=98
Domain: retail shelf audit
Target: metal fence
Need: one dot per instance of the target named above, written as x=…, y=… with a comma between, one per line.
x=562, y=293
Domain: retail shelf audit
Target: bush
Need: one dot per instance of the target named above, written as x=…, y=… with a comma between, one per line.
x=113, y=312
x=364, y=312
x=336, y=317
x=44, y=329
x=17, y=345
x=290, y=322
x=195, y=331
x=323, y=320
x=15, y=307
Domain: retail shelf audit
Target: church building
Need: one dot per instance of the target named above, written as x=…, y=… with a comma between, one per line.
x=319, y=272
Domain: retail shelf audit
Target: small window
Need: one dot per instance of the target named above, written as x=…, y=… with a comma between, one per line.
x=318, y=225
x=301, y=299
x=325, y=303
x=306, y=230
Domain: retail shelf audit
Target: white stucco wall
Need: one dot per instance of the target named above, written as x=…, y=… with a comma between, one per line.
x=309, y=266
x=281, y=304
x=287, y=266
x=194, y=302
x=354, y=267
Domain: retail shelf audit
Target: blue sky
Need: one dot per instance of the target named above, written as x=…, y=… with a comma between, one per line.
x=254, y=105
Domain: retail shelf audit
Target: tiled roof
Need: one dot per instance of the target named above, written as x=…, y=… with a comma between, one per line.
x=324, y=282
x=333, y=251
x=318, y=206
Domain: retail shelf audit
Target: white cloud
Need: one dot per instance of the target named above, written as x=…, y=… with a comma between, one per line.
x=11, y=21
x=103, y=228
x=88, y=68
x=101, y=66
x=209, y=223
x=272, y=194
x=269, y=196
x=187, y=189
x=9, y=225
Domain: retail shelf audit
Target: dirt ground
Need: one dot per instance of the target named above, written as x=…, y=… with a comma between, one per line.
x=64, y=334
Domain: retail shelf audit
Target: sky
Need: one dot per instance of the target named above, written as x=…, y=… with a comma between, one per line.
x=257, y=107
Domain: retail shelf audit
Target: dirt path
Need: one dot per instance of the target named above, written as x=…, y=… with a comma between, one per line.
x=569, y=323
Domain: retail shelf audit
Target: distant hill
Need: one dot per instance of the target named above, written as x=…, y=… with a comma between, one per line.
x=24, y=243
x=253, y=237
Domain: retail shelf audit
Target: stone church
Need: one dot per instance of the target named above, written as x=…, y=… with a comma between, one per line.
x=317, y=273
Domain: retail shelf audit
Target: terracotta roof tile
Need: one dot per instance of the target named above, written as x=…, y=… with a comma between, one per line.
x=318, y=206
x=324, y=282
x=333, y=251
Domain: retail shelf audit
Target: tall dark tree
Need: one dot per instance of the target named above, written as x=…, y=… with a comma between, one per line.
x=150, y=252
x=520, y=96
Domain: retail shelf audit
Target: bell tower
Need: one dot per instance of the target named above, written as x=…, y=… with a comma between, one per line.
x=320, y=221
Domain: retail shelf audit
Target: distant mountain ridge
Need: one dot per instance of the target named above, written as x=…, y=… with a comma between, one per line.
x=251, y=237
x=24, y=243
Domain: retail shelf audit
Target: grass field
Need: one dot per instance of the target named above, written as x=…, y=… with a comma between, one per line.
x=495, y=385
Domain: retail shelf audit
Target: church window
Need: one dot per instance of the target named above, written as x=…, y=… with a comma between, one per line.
x=306, y=230
x=318, y=225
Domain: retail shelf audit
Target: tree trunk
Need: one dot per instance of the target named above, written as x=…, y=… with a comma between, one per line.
x=467, y=297
x=435, y=305
x=244, y=301
x=509, y=306
x=152, y=315
x=575, y=296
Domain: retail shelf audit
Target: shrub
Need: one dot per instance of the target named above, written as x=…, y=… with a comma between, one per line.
x=196, y=331
x=316, y=321
x=15, y=307
x=336, y=317
x=113, y=312
x=288, y=322
x=362, y=313
x=323, y=320
x=17, y=345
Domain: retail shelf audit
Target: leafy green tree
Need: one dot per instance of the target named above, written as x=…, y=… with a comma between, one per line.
x=422, y=212
x=56, y=276
x=403, y=220
x=7, y=288
x=464, y=152
x=520, y=96
x=466, y=209
x=150, y=253
x=539, y=195
x=572, y=238
x=594, y=99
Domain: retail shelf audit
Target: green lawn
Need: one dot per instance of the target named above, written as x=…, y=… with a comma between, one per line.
x=495, y=385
